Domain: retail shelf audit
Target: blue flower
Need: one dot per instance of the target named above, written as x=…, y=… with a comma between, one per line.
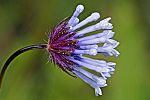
x=68, y=46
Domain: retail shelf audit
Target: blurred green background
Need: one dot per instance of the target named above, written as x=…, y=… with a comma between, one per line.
x=30, y=77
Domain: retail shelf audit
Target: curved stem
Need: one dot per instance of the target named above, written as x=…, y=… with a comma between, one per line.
x=17, y=53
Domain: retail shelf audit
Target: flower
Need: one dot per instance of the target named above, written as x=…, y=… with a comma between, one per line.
x=67, y=46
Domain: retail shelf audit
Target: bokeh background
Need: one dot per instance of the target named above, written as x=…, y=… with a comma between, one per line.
x=31, y=77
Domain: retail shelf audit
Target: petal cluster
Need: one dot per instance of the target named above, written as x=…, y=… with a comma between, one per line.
x=68, y=45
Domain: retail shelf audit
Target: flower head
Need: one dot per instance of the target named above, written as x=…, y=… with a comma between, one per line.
x=68, y=44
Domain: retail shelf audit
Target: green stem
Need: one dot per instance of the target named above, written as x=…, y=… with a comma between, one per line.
x=17, y=53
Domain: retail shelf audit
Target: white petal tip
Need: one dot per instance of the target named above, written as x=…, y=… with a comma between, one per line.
x=108, y=19
x=80, y=8
x=92, y=52
x=98, y=91
x=95, y=46
x=77, y=20
x=95, y=16
x=111, y=64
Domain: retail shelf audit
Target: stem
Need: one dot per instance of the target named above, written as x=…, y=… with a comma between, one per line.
x=17, y=53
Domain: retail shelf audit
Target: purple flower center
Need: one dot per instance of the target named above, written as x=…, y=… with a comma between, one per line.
x=61, y=45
